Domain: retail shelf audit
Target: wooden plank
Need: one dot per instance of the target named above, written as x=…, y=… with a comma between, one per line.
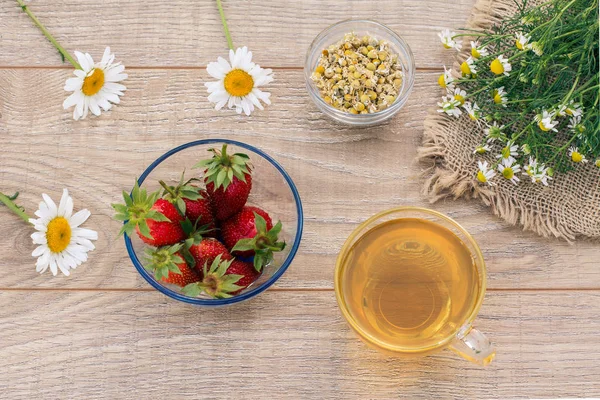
x=284, y=345
x=189, y=33
x=363, y=170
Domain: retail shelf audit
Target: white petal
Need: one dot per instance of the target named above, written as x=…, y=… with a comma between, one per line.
x=62, y=206
x=53, y=266
x=247, y=106
x=80, y=74
x=63, y=265
x=216, y=70
x=79, y=218
x=43, y=262
x=73, y=100
x=73, y=84
x=94, y=106
x=84, y=233
x=38, y=251
x=105, y=57
x=83, y=62
x=38, y=237
x=51, y=204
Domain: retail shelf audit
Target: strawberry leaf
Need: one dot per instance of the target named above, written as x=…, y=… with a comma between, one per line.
x=244, y=245
x=260, y=223
x=192, y=290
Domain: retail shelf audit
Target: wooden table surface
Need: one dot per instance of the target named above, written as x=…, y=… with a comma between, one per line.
x=104, y=332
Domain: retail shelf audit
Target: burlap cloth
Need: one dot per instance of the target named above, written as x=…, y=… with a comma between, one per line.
x=569, y=208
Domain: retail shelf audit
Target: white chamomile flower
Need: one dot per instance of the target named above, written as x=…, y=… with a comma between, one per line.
x=472, y=110
x=458, y=94
x=478, y=52
x=575, y=125
x=500, y=66
x=574, y=109
x=447, y=39
x=482, y=149
x=238, y=82
x=576, y=156
x=546, y=121
x=468, y=67
x=499, y=96
x=509, y=152
x=63, y=244
x=95, y=85
x=450, y=106
x=485, y=174
x=446, y=80
x=494, y=132
x=537, y=173
x=522, y=41
x=509, y=169
x=526, y=149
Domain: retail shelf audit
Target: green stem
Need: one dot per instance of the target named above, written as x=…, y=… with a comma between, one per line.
x=13, y=207
x=224, y=22
x=60, y=49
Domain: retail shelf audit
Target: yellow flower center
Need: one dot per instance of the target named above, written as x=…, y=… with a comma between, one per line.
x=475, y=53
x=569, y=111
x=473, y=116
x=597, y=163
x=496, y=67
x=58, y=234
x=481, y=177
x=442, y=81
x=519, y=44
x=238, y=83
x=497, y=97
x=506, y=152
x=543, y=127
x=480, y=150
x=460, y=99
x=447, y=46
x=93, y=83
x=508, y=173
x=576, y=156
x=464, y=67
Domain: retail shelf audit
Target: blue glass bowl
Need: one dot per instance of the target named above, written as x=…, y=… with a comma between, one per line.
x=272, y=189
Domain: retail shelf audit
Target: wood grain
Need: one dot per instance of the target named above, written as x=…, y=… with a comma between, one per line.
x=363, y=170
x=281, y=345
x=189, y=33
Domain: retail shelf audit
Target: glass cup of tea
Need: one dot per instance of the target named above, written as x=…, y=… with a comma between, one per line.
x=411, y=281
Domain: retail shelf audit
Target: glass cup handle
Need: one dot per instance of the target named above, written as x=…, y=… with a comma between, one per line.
x=474, y=346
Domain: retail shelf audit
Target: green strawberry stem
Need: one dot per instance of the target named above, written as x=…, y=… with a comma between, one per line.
x=8, y=202
x=63, y=53
x=168, y=189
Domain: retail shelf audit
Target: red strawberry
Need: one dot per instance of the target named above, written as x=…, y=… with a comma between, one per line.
x=206, y=251
x=193, y=203
x=156, y=221
x=251, y=233
x=201, y=212
x=187, y=276
x=247, y=270
x=168, y=266
x=223, y=279
x=228, y=181
x=242, y=226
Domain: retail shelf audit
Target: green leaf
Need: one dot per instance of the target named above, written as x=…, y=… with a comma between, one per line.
x=274, y=232
x=181, y=206
x=259, y=262
x=220, y=178
x=192, y=290
x=260, y=223
x=244, y=245
x=203, y=163
x=230, y=174
x=157, y=216
x=144, y=230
